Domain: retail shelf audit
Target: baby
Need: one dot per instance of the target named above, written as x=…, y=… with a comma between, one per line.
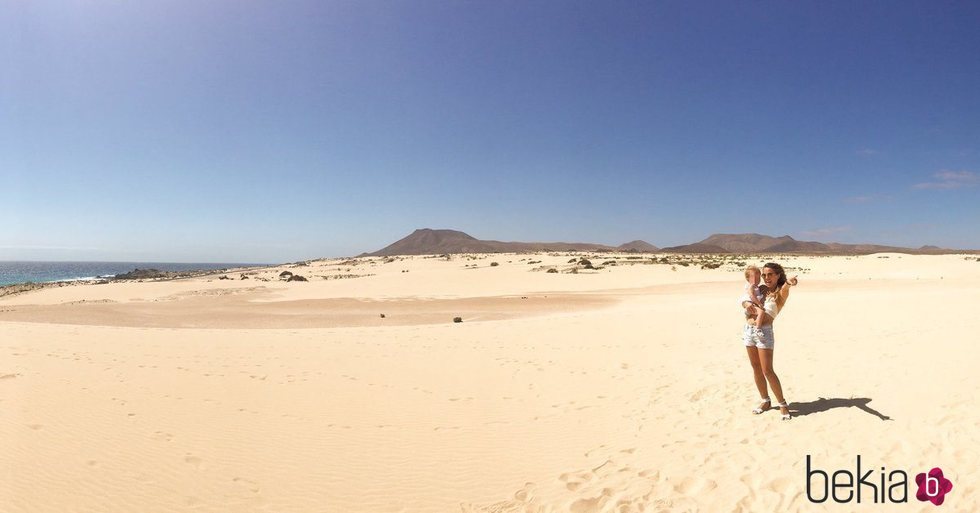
x=753, y=294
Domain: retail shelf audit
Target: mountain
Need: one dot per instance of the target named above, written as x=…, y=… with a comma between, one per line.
x=748, y=243
x=638, y=246
x=836, y=247
x=426, y=241
x=697, y=247
x=756, y=243
x=745, y=242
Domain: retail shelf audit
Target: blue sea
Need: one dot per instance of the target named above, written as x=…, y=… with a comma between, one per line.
x=22, y=272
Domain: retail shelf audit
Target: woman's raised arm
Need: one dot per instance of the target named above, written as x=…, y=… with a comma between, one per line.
x=784, y=290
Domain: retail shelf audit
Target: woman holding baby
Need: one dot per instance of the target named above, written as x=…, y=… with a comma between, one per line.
x=762, y=304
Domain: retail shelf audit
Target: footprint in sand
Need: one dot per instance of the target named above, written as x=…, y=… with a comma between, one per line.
x=526, y=493
x=194, y=460
x=695, y=486
x=592, y=504
x=782, y=486
x=35, y=427
x=248, y=483
x=649, y=473
x=574, y=480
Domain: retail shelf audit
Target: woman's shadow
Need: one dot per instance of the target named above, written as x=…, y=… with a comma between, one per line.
x=823, y=404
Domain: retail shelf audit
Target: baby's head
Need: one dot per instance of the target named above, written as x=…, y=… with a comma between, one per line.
x=753, y=275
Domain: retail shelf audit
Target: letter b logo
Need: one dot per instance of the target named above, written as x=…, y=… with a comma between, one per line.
x=933, y=487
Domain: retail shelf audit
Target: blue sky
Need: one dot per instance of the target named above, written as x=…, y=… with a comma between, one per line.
x=277, y=131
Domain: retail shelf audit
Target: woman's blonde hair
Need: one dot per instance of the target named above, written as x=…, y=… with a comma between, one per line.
x=752, y=269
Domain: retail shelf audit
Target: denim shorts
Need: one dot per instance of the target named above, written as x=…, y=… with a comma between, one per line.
x=758, y=337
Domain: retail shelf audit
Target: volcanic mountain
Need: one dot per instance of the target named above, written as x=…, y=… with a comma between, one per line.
x=751, y=243
x=638, y=246
x=426, y=241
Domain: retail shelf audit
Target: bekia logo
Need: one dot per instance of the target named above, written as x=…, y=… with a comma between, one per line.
x=933, y=487
x=843, y=486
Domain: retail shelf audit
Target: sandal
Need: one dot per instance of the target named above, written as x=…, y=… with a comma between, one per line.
x=762, y=407
x=786, y=416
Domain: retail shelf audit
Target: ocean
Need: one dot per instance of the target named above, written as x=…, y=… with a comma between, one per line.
x=21, y=272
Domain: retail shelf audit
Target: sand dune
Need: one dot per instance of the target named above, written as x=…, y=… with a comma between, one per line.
x=623, y=389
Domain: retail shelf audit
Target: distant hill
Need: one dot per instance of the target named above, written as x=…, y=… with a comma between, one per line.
x=639, y=246
x=756, y=243
x=744, y=242
x=697, y=247
x=426, y=241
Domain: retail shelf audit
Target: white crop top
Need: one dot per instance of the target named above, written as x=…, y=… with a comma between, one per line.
x=771, y=307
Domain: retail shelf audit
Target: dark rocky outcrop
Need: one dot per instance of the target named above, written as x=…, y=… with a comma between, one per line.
x=143, y=274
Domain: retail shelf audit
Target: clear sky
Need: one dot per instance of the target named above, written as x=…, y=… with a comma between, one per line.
x=277, y=131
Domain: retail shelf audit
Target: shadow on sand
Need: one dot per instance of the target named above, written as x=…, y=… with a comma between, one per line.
x=823, y=404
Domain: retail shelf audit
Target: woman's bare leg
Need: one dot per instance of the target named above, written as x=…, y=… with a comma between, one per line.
x=765, y=359
x=757, y=373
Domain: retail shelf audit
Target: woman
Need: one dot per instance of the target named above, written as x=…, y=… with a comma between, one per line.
x=759, y=342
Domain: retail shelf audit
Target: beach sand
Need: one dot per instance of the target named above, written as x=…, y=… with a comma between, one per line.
x=623, y=389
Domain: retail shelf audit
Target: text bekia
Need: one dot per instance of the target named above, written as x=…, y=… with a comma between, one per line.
x=844, y=487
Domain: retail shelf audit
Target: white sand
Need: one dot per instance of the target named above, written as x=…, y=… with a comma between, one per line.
x=621, y=390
